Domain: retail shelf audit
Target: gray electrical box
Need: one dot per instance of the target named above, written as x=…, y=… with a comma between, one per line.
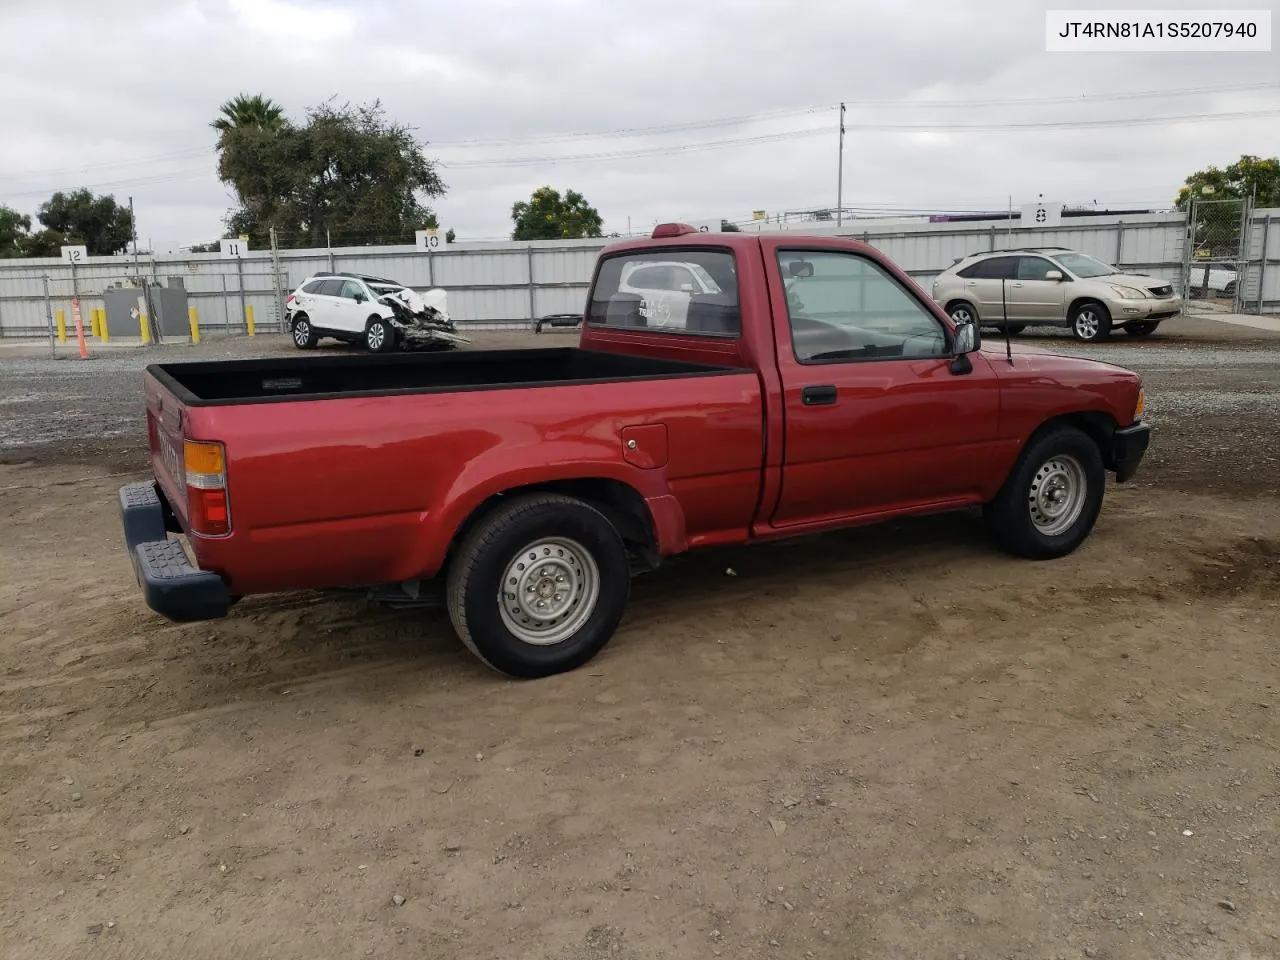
x=167, y=316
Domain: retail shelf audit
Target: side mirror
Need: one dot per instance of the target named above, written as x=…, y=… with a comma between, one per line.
x=968, y=338
x=800, y=268
x=1053, y=275
x=360, y=297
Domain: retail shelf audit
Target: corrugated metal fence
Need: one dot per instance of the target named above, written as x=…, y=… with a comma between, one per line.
x=509, y=284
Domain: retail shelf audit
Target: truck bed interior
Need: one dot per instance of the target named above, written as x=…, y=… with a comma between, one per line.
x=222, y=382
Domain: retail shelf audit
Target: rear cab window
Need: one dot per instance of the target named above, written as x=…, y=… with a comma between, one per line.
x=692, y=292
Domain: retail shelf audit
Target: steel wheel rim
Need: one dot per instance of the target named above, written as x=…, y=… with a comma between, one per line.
x=548, y=591
x=377, y=336
x=301, y=332
x=1057, y=496
x=961, y=315
x=1087, y=324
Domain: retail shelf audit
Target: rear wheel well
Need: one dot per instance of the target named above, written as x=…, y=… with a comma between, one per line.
x=1098, y=427
x=618, y=501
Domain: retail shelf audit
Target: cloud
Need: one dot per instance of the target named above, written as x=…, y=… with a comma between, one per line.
x=119, y=96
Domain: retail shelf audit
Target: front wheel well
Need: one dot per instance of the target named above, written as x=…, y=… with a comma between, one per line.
x=1097, y=426
x=620, y=502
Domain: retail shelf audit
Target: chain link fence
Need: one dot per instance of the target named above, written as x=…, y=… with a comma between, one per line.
x=1216, y=255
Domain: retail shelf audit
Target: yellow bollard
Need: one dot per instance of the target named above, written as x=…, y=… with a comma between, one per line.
x=61, y=316
x=145, y=324
x=194, y=319
x=102, y=325
x=248, y=318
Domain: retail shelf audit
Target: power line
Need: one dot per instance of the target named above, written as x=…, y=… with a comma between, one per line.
x=660, y=129
x=922, y=127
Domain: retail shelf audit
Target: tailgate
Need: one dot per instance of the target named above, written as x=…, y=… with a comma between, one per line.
x=166, y=417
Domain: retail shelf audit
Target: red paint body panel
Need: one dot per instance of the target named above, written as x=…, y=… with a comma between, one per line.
x=365, y=490
x=371, y=490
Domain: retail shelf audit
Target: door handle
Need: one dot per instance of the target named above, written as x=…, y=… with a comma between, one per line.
x=820, y=395
x=1015, y=284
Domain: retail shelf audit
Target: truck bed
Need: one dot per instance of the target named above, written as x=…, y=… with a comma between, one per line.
x=225, y=382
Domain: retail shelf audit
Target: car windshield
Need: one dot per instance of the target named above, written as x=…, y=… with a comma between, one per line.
x=1085, y=267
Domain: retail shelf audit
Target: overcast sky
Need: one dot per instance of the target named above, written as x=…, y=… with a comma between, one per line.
x=118, y=96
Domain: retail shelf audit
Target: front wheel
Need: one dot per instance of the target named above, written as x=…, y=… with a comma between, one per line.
x=1050, y=502
x=1090, y=321
x=539, y=586
x=379, y=336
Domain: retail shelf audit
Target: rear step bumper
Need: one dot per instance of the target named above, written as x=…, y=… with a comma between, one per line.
x=170, y=584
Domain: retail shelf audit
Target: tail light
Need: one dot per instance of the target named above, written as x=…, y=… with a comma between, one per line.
x=205, y=466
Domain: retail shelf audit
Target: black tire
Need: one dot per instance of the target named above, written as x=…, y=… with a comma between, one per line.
x=491, y=552
x=304, y=335
x=962, y=311
x=1145, y=329
x=1048, y=457
x=1090, y=321
x=379, y=335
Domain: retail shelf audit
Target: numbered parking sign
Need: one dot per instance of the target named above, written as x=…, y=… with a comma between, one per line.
x=430, y=241
x=233, y=248
x=75, y=254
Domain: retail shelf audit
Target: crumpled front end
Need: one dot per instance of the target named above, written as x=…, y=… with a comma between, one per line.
x=422, y=319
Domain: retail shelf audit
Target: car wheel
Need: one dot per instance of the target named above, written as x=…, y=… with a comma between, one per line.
x=539, y=586
x=1230, y=289
x=1142, y=329
x=1051, y=499
x=962, y=312
x=1090, y=321
x=304, y=335
x=379, y=336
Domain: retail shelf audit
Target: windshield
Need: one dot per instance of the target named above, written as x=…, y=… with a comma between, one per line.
x=1085, y=267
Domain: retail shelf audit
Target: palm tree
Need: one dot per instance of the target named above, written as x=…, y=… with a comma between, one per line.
x=249, y=111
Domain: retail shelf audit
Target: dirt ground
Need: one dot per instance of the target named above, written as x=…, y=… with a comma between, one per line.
x=888, y=743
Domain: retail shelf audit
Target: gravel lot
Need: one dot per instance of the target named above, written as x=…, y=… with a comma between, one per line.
x=886, y=743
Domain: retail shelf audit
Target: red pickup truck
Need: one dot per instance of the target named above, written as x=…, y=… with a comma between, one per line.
x=726, y=389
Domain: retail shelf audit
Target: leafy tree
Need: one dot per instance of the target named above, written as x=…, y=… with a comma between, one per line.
x=1249, y=176
x=727, y=226
x=1217, y=228
x=347, y=171
x=249, y=112
x=14, y=228
x=450, y=236
x=99, y=223
x=548, y=216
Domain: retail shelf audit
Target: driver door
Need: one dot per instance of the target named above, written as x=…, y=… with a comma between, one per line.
x=875, y=421
x=350, y=308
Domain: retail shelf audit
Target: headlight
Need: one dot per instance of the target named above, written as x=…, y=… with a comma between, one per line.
x=1130, y=293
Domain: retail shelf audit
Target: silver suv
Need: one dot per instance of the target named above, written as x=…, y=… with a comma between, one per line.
x=1053, y=286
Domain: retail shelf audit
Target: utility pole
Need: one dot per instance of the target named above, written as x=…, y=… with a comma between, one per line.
x=133, y=227
x=840, y=173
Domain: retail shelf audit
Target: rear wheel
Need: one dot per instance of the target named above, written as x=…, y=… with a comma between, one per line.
x=1090, y=321
x=1142, y=329
x=539, y=586
x=1050, y=502
x=379, y=335
x=962, y=312
x=304, y=335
